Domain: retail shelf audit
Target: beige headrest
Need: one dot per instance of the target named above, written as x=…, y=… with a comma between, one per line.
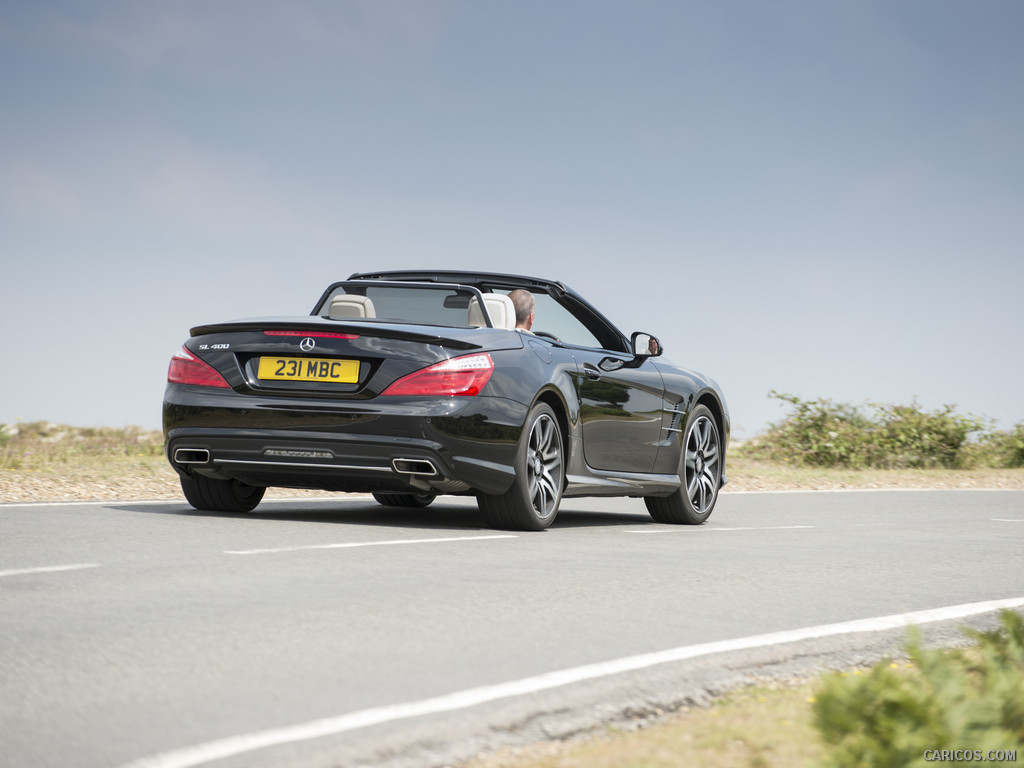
x=499, y=307
x=350, y=305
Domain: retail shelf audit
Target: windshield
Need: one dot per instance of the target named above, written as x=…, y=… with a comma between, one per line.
x=459, y=306
x=420, y=304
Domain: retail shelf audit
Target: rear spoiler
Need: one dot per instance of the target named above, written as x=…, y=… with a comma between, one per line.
x=319, y=325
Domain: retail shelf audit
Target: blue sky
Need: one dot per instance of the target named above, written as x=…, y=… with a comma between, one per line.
x=820, y=198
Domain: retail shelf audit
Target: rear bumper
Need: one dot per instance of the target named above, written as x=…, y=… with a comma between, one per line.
x=454, y=445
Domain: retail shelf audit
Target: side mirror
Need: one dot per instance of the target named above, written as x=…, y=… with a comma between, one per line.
x=645, y=345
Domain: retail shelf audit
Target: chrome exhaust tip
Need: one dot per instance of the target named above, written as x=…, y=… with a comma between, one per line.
x=191, y=456
x=422, y=467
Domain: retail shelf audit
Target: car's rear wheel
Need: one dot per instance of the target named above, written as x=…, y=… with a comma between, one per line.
x=220, y=495
x=415, y=500
x=532, y=502
x=701, y=473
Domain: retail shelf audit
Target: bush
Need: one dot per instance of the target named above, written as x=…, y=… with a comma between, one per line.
x=818, y=432
x=827, y=434
x=908, y=437
x=1003, y=449
x=969, y=699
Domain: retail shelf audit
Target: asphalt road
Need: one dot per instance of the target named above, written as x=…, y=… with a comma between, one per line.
x=338, y=632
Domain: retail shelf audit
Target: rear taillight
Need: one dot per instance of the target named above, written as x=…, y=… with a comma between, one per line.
x=186, y=368
x=458, y=377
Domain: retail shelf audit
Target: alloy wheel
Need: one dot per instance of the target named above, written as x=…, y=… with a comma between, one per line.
x=702, y=464
x=544, y=466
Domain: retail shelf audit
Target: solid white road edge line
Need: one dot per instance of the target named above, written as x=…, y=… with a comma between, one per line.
x=236, y=745
x=681, y=529
x=49, y=569
x=354, y=544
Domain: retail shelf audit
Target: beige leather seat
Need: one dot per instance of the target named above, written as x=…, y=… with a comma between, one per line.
x=499, y=307
x=350, y=305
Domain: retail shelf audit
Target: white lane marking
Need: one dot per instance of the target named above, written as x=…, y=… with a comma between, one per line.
x=4, y=505
x=49, y=569
x=737, y=528
x=726, y=490
x=249, y=742
x=1008, y=519
x=7, y=505
x=354, y=544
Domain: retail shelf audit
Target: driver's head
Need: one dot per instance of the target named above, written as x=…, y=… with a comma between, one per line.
x=522, y=300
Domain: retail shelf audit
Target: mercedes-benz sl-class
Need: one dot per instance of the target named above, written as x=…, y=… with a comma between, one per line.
x=410, y=385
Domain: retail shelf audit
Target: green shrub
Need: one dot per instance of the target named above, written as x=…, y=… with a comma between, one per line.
x=828, y=434
x=908, y=437
x=1002, y=449
x=817, y=432
x=942, y=699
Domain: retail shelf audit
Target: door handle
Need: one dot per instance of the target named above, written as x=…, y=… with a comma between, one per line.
x=591, y=372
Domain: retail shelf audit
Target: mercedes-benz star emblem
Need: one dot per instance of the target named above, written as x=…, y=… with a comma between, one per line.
x=307, y=344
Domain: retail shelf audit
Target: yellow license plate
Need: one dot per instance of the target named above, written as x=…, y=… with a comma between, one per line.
x=308, y=369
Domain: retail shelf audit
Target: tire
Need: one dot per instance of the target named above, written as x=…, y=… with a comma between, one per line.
x=531, y=504
x=414, y=500
x=700, y=471
x=220, y=495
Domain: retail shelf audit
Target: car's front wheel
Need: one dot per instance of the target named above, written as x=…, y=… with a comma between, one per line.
x=532, y=502
x=220, y=495
x=701, y=473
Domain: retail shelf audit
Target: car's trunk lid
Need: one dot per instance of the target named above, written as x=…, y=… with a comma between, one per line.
x=328, y=358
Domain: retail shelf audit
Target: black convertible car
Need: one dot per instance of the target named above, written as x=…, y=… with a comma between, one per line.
x=408, y=385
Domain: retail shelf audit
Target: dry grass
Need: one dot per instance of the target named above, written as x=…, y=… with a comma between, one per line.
x=754, y=727
x=750, y=475
x=41, y=446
